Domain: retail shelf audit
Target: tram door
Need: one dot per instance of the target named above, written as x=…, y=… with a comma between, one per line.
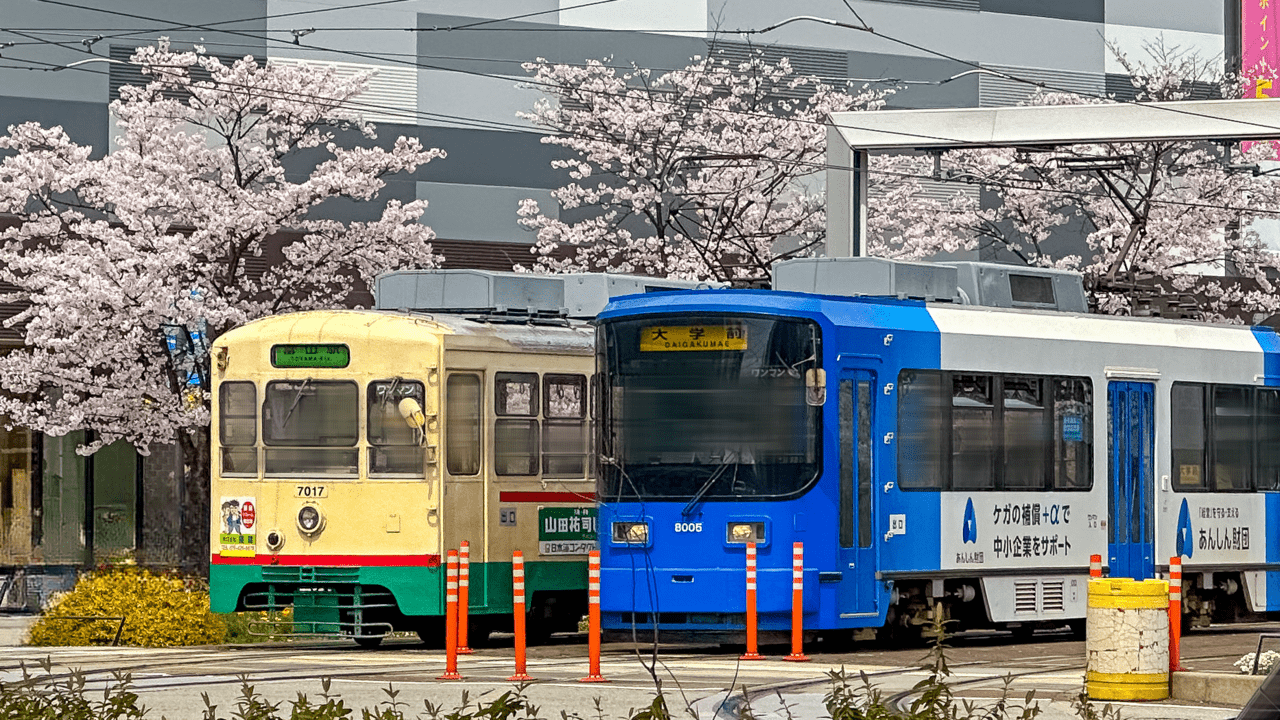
x=858, y=588
x=1131, y=473
x=463, y=505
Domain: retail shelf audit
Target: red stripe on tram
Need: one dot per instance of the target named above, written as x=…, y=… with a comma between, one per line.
x=557, y=497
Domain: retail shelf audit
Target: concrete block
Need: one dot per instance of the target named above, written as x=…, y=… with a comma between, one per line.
x=1215, y=688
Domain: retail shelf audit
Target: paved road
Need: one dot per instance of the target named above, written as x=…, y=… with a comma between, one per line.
x=171, y=681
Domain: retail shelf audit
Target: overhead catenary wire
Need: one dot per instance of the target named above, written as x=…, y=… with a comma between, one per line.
x=812, y=166
x=475, y=122
x=825, y=79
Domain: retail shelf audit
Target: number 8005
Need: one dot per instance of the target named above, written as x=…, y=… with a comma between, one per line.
x=689, y=527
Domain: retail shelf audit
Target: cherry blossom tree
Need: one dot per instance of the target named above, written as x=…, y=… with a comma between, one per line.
x=711, y=171
x=132, y=264
x=1162, y=222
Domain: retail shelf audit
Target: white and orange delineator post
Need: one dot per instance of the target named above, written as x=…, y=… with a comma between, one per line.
x=753, y=650
x=517, y=615
x=1175, y=613
x=797, y=605
x=593, y=619
x=464, y=595
x=451, y=618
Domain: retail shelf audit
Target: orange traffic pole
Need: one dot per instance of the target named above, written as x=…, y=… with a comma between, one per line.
x=517, y=614
x=1175, y=613
x=451, y=619
x=1095, y=566
x=753, y=651
x=797, y=605
x=464, y=595
x=593, y=619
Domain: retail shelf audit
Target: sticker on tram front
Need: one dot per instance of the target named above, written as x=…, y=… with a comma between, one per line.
x=566, y=530
x=236, y=536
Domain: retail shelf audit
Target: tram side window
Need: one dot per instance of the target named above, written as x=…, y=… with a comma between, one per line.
x=1232, y=438
x=564, y=438
x=238, y=431
x=922, y=417
x=462, y=426
x=395, y=446
x=1072, y=433
x=1026, y=425
x=1188, y=436
x=311, y=427
x=515, y=432
x=973, y=432
x=1268, y=436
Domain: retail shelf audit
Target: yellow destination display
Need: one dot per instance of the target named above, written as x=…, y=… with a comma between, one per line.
x=676, y=338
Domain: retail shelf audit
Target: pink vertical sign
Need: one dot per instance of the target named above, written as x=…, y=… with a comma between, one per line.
x=1260, y=51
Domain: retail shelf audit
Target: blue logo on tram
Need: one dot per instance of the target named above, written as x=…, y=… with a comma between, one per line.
x=969, y=531
x=1186, y=538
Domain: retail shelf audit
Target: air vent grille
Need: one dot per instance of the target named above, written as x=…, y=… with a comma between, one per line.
x=390, y=96
x=970, y=5
x=1053, y=597
x=1024, y=597
x=1002, y=90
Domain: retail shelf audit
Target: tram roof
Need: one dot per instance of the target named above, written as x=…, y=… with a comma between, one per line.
x=380, y=325
x=893, y=313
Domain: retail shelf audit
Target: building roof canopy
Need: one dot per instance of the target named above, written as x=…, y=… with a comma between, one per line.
x=1254, y=119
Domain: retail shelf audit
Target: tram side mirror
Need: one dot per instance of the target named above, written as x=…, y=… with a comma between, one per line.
x=413, y=416
x=815, y=385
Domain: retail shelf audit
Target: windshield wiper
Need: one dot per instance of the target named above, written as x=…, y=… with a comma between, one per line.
x=688, y=509
x=296, y=399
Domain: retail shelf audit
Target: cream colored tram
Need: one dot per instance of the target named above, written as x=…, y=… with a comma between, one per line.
x=353, y=449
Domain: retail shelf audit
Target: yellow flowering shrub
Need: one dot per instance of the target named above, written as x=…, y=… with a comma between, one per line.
x=158, y=611
x=256, y=627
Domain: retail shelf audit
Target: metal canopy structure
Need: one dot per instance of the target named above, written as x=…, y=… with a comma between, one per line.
x=852, y=135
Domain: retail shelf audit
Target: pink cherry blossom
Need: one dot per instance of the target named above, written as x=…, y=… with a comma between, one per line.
x=711, y=171
x=160, y=239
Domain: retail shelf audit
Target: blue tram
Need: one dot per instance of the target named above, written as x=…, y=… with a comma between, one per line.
x=960, y=437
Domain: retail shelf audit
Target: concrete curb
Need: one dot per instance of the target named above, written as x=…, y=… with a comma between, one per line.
x=1215, y=688
x=13, y=629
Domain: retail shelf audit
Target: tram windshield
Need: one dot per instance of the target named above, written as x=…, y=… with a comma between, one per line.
x=708, y=408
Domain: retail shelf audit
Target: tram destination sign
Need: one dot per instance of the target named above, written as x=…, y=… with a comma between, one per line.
x=310, y=356
x=566, y=530
x=677, y=338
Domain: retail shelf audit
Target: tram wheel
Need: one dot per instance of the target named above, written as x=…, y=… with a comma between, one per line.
x=431, y=633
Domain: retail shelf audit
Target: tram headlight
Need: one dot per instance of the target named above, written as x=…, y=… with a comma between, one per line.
x=310, y=520
x=275, y=540
x=631, y=533
x=742, y=533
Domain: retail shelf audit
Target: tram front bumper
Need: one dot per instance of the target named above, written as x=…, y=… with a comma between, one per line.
x=700, y=591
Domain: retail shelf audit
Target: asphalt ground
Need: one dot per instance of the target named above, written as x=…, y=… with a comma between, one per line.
x=707, y=680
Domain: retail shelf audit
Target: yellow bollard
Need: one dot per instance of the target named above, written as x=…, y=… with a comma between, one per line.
x=1127, y=639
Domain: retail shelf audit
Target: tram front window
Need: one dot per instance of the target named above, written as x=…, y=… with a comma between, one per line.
x=311, y=427
x=707, y=408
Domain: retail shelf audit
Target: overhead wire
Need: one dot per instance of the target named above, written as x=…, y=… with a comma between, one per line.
x=530, y=82
x=1042, y=84
x=487, y=123
x=813, y=167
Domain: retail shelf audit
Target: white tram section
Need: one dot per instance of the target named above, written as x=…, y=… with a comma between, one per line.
x=1104, y=349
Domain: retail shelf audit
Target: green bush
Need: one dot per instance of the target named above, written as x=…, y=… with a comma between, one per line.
x=158, y=611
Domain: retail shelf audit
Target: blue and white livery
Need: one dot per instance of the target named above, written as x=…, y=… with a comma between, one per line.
x=961, y=435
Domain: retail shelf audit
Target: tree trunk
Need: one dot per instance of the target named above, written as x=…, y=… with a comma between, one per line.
x=194, y=556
